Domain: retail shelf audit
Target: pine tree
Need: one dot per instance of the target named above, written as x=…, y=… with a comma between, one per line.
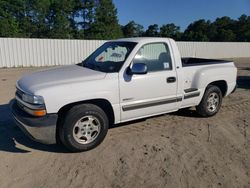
x=170, y=30
x=152, y=31
x=105, y=25
x=60, y=19
x=9, y=26
x=132, y=29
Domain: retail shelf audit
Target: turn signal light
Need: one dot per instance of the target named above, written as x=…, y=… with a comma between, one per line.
x=39, y=112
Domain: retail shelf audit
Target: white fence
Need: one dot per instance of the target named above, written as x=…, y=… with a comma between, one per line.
x=17, y=52
x=214, y=49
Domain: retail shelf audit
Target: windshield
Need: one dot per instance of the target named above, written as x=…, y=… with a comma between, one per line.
x=109, y=57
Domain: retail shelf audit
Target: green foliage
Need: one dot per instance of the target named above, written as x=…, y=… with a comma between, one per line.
x=105, y=25
x=132, y=29
x=152, y=31
x=9, y=28
x=97, y=19
x=60, y=17
x=170, y=30
x=197, y=31
x=243, y=29
x=9, y=25
x=84, y=12
x=223, y=29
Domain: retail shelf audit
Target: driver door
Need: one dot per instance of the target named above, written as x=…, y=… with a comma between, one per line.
x=151, y=93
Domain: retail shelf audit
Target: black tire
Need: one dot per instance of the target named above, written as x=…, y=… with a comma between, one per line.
x=203, y=108
x=74, y=115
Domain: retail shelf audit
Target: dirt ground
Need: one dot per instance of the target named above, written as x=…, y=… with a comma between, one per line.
x=172, y=150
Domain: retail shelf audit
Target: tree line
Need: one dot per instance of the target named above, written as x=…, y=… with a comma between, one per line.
x=97, y=19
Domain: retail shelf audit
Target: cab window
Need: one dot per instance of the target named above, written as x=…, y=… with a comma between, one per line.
x=156, y=56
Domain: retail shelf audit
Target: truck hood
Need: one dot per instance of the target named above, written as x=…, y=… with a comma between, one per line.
x=65, y=75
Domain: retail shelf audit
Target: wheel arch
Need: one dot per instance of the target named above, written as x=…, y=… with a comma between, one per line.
x=104, y=104
x=222, y=85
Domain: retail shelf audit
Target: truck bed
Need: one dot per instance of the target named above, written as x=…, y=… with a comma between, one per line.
x=186, y=62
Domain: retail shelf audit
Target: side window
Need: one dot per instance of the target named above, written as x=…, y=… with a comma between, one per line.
x=156, y=56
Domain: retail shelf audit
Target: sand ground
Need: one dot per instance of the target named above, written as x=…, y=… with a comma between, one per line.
x=173, y=150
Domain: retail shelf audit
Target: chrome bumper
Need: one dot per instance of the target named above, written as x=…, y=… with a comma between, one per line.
x=40, y=129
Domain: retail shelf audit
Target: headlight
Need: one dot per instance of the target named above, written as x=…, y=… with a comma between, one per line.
x=32, y=104
x=32, y=99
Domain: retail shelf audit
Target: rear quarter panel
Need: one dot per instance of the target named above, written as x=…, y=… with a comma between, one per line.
x=201, y=76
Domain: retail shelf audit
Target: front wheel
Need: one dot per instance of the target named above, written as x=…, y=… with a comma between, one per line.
x=84, y=127
x=211, y=102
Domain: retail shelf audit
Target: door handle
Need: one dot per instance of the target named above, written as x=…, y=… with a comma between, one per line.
x=171, y=79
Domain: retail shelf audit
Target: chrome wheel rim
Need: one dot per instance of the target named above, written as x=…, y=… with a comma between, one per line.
x=213, y=102
x=86, y=129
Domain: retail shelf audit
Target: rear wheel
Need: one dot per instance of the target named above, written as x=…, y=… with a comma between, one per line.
x=211, y=102
x=84, y=127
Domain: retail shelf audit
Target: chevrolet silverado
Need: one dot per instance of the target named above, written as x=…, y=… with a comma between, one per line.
x=123, y=80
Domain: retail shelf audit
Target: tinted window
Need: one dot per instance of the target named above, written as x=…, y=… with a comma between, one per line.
x=156, y=56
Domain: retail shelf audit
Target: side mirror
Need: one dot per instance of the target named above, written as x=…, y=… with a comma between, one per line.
x=138, y=68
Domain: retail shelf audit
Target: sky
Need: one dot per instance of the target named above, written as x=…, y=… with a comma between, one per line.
x=179, y=12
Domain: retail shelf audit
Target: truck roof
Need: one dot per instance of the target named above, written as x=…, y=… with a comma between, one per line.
x=142, y=39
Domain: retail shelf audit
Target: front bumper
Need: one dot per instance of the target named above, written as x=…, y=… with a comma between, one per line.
x=40, y=129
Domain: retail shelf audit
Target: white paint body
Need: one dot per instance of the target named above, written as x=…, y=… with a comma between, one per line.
x=70, y=84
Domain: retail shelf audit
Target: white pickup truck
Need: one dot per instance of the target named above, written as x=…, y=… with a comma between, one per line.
x=123, y=80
